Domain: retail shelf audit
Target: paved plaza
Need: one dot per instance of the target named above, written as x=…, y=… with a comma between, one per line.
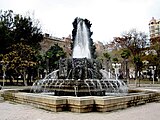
x=13, y=111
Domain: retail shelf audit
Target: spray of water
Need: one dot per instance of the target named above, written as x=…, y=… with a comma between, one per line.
x=81, y=45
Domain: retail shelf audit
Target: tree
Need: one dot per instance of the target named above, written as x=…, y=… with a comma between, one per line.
x=41, y=65
x=52, y=57
x=19, y=59
x=15, y=28
x=155, y=52
x=125, y=55
x=74, y=31
x=26, y=32
x=18, y=31
x=115, y=59
x=135, y=42
x=107, y=57
x=6, y=26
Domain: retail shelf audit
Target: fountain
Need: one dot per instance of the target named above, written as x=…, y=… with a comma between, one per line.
x=81, y=46
x=81, y=75
x=80, y=85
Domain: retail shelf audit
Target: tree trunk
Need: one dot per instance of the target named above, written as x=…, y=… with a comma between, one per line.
x=136, y=72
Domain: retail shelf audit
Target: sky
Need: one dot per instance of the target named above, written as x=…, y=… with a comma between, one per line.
x=109, y=18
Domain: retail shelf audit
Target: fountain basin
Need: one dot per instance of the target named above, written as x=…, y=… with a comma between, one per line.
x=80, y=104
x=87, y=87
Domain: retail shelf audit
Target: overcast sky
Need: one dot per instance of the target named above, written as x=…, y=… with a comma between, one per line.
x=109, y=18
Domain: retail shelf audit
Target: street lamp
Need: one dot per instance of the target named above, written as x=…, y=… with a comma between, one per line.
x=127, y=72
x=4, y=67
x=153, y=68
x=116, y=67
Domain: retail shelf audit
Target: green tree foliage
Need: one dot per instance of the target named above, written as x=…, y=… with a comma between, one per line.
x=74, y=31
x=52, y=57
x=115, y=59
x=6, y=26
x=107, y=56
x=19, y=38
x=125, y=54
x=19, y=59
x=26, y=32
x=138, y=64
x=15, y=28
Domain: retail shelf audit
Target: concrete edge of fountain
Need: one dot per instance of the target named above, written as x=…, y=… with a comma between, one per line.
x=81, y=104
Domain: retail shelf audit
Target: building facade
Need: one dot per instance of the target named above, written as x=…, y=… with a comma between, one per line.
x=49, y=41
x=100, y=48
x=65, y=43
x=154, y=27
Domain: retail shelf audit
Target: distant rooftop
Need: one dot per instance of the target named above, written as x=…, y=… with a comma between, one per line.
x=46, y=35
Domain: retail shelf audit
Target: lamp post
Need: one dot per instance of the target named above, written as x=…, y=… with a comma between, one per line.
x=4, y=67
x=153, y=68
x=116, y=67
x=127, y=72
x=47, y=62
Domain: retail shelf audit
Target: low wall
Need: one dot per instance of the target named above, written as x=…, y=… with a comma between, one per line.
x=79, y=104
